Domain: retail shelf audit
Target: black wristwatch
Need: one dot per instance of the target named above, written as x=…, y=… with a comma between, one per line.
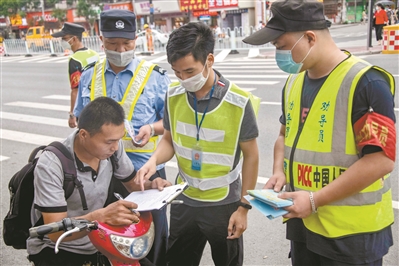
x=245, y=205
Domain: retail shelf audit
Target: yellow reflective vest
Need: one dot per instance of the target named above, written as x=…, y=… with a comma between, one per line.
x=320, y=150
x=219, y=136
x=129, y=99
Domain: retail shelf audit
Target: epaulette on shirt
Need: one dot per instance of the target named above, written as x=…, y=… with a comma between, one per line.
x=89, y=66
x=160, y=70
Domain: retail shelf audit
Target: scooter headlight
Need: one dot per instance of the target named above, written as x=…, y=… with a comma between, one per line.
x=134, y=247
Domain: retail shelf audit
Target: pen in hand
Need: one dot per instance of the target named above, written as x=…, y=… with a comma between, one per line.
x=119, y=197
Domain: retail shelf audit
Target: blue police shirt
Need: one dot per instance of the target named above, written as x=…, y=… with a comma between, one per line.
x=149, y=107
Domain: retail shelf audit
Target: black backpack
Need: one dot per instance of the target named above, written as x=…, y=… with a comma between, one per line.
x=17, y=222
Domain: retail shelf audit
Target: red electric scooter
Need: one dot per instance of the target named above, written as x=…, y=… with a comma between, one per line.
x=122, y=245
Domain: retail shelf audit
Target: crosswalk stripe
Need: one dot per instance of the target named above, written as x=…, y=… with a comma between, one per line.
x=222, y=55
x=159, y=59
x=34, y=119
x=260, y=63
x=232, y=77
x=28, y=138
x=260, y=71
x=253, y=52
x=3, y=158
x=46, y=106
x=248, y=82
x=32, y=59
x=57, y=97
x=246, y=67
x=53, y=59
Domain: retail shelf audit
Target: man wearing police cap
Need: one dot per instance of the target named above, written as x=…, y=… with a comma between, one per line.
x=140, y=87
x=337, y=142
x=71, y=39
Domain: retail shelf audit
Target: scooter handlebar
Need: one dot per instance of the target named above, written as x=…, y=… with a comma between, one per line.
x=63, y=225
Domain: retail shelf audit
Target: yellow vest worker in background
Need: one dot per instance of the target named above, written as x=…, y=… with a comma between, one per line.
x=149, y=38
x=71, y=35
x=337, y=142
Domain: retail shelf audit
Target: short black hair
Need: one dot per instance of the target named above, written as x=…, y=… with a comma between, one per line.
x=381, y=5
x=101, y=111
x=194, y=38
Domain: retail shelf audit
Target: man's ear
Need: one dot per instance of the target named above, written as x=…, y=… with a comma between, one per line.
x=310, y=35
x=83, y=134
x=211, y=60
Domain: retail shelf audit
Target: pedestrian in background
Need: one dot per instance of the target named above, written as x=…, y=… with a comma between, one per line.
x=71, y=39
x=364, y=17
x=149, y=38
x=140, y=87
x=337, y=142
x=381, y=19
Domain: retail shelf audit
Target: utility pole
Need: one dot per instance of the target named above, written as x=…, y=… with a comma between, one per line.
x=370, y=24
x=42, y=3
x=151, y=13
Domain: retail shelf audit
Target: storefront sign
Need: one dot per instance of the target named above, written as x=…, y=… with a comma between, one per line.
x=193, y=5
x=222, y=3
x=37, y=16
x=123, y=6
x=237, y=11
x=158, y=6
x=204, y=13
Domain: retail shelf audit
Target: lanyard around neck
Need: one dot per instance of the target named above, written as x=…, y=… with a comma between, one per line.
x=206, y=109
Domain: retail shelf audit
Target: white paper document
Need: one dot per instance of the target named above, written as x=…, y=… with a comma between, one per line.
x=153, y=199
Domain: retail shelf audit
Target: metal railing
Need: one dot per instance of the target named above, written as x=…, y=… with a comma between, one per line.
x=232, y=39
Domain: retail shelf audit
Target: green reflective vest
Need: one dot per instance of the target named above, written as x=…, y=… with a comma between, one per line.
x=219, y=136
x=317, y=153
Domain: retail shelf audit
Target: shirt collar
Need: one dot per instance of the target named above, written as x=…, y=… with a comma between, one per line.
x=220, y=88
x=131, y=67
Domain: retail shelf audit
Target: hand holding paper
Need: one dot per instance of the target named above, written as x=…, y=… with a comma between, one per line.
x=268, y=202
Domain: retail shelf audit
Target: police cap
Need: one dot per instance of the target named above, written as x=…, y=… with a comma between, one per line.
x=118, y=23
x=69, y=29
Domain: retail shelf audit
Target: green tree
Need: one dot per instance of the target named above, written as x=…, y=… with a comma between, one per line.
x=13, y=7
x=60, y=15
x=88, y=9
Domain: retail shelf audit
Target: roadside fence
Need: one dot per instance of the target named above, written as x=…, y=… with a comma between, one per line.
x=232, y=40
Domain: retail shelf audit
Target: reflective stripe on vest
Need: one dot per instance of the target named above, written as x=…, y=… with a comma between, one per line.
x=218, y=139
x=85, y=57
x=321, y=151
x=129, y=99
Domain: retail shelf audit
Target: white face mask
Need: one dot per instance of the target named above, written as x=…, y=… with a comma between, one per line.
x=195, y=83
x=65, y=44
x=119, y=59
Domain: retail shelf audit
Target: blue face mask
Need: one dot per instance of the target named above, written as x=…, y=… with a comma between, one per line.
x=286, y=63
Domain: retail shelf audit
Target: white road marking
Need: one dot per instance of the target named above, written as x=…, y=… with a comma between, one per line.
x=58, y=97
x=3, y=158
x=28, y=138
x=251, y=82
x=222, y=55
x=35, y=119
x=45, y=106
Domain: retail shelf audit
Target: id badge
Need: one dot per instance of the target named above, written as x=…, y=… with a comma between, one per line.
x=196, y=158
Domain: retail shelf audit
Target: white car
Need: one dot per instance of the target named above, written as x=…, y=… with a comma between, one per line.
x=159, y=39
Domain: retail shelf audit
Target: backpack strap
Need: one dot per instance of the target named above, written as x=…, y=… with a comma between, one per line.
x=70, y=175
x=33, y=154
